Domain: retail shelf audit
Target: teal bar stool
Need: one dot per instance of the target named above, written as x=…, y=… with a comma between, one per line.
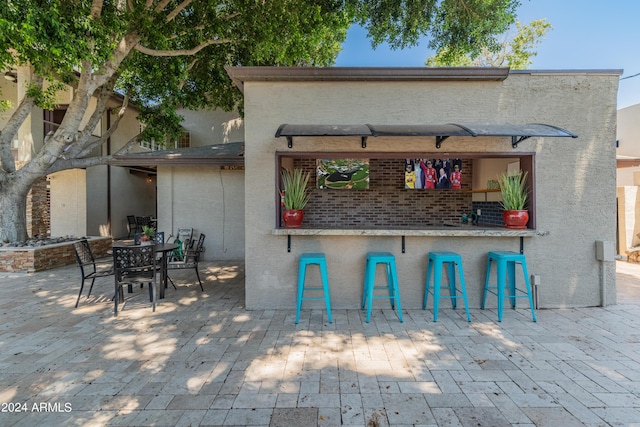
x=319, y=260
x=436, y=262
x=506, y=262
x=389, y=261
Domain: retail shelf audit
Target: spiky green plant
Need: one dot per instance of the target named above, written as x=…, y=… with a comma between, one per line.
x=513, y=188
x=149, y=231
x=296, y=195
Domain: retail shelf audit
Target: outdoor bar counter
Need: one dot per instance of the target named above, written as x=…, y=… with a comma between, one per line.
x=429, y=231
x=346, y=247
x=433, y=231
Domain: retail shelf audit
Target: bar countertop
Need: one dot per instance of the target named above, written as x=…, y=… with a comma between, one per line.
x=454, y=231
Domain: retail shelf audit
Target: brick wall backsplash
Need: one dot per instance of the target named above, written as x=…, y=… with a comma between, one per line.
x=491, y=213
x=386, y=203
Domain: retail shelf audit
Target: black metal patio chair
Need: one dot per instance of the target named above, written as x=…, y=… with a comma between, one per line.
x=132, y=225
x=87, y=263
x=190, y=260
x=143, y=221
x=134, y=264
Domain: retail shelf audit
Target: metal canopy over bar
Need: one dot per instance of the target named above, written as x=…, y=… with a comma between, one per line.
x=289, y=131
x=518, y=133
x=441, y=132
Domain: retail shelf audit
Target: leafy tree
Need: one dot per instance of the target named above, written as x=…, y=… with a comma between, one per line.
x=164, y=54
x=516, y=52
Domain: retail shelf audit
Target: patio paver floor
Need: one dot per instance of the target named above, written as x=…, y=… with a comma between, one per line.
x=202, y=359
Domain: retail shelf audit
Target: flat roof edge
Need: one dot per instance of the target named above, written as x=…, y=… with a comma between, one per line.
x=155, y=161
x=242, y=74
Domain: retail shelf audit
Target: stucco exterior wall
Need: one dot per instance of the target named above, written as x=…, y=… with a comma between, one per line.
x=208, y=199
x=628, y=215
x=212, y=127
x=574, y=205
x=131, y=194
x=628, y=136
x=9, y=91
x=68, y=203
x=97, y=191
x=628, y=131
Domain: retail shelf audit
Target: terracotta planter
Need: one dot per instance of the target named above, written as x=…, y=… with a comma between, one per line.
x=292, y=218
x=515, y=219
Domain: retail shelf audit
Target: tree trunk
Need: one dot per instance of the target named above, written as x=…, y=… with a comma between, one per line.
x=13, y=213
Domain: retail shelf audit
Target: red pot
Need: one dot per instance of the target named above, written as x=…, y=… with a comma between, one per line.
x=292, y=218
x=515, y=219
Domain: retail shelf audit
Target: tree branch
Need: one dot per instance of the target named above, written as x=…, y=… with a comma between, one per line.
x=126, y=148
x=106, y=91
x=96, y=8
x=189, y=68
x=110, y=68
x=178, y=9
x=180, y=52
x=10, y=130
x=87, y=148
x=64, y=164
x=161, y=5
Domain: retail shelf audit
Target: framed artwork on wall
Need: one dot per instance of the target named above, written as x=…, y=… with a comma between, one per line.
x=431, y=174
x=342, y=174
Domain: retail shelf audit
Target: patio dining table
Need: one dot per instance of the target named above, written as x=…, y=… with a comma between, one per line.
x=165, y=249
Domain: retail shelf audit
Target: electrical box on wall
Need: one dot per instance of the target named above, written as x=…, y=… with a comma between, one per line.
x=605, y=251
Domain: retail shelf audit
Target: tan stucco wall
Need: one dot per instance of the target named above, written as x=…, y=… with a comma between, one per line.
x=212, y=127
x=628, y=216
x=628, y=131
x=131, y=194
x=627, y=176
x=485, y=170
x=574, y=205
x=8, y=91
x=68, y=203
x=628, y=135
x=209, y=200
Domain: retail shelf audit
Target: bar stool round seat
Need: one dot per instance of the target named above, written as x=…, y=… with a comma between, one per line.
x=320, y=260
x=438, y=260
x=506, y=262
x=389, y=261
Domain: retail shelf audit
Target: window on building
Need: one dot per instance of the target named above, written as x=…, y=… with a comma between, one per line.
x=183, y=141
x=396, y=194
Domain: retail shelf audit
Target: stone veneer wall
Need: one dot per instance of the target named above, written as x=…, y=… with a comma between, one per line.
x=29, y=260
x=386, y=203
x=38, y=209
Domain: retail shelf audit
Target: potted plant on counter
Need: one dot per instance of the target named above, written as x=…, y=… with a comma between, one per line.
x=295, y=197
x=513, y=189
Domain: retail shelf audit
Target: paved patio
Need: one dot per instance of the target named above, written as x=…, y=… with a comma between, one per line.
x=201, y=359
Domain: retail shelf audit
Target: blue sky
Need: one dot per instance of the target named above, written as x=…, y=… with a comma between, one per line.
x=586, y=34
